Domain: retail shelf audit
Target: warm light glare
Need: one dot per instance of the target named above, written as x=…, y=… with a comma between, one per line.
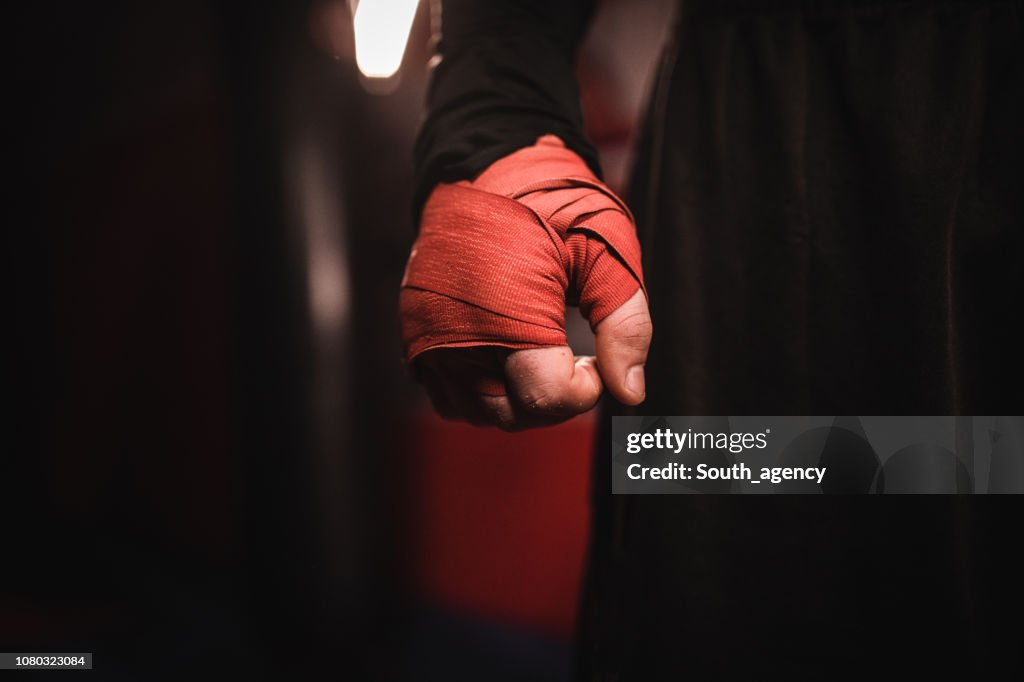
x=382, y=31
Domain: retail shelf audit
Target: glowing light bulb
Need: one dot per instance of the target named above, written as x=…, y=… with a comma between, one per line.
x=382, y=32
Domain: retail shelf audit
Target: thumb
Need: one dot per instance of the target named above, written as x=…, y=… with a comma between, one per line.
x=623, y=338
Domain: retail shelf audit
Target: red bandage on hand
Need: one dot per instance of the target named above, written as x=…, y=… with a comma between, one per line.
x=498, y=258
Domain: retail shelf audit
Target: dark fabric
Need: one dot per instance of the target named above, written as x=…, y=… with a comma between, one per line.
x=504, y=77
x=828, y=195
x=830, y=209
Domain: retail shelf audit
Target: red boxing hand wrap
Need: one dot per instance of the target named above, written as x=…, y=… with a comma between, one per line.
x=497, y=258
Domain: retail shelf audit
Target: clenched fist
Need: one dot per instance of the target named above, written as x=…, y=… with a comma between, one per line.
x=485, y=290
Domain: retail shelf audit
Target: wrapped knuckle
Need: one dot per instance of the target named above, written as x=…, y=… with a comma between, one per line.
x=491, y=261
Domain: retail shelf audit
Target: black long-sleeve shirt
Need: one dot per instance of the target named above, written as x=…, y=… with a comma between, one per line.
x=505, y=76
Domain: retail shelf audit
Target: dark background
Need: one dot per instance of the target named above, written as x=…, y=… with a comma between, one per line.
x=216, y=459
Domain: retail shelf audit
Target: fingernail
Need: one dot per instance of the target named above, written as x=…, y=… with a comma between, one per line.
x=635, y=380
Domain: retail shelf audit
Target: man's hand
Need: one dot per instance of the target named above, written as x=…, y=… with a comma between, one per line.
x=483, y=300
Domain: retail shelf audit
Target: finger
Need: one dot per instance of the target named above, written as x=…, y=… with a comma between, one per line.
x=484, y=409
x=525, y=420
x=425, y=371
x=551, y=382
x=462, y=386
x=471, y=381
x=439, y=399
x=472, y=406
x=473, y=391
x=623, y=338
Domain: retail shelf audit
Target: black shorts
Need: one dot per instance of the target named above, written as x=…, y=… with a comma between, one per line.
x=829, y=197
